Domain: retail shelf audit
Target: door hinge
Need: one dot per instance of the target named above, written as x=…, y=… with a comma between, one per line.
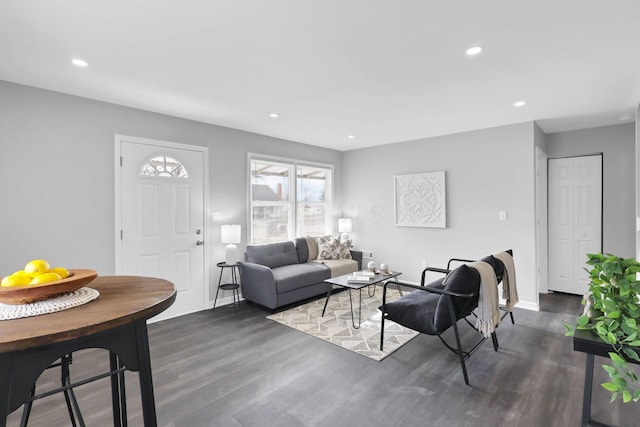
x=121, y=235
x=120, y=161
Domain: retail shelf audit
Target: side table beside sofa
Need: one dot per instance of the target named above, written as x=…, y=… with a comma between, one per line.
x=277, y=274
x=232, y=286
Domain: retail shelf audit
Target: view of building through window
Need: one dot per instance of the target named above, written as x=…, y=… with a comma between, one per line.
x=283, y=207
x=311, y=198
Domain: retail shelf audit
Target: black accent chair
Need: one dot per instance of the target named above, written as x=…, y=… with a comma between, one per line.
x=432, y=309
x=498, y=267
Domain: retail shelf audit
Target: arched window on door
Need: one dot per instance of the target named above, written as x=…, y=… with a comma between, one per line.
x=164, y=166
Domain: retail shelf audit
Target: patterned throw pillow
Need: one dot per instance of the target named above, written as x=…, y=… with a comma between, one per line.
x=328, y=248
x=345, y=253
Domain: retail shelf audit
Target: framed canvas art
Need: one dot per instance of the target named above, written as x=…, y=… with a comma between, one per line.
x=420, y=200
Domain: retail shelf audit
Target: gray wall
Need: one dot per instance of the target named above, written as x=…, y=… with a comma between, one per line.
x=617, y=145
x=57, y=175
x=57, y=184
x=486, y=171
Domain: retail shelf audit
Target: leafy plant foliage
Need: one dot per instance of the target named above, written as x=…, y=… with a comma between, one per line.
x=613, y=312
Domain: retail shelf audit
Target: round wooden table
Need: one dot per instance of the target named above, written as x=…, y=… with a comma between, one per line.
x=115, y=321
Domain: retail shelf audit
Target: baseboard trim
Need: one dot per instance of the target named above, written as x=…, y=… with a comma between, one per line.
x=534, y=306
x=224, y=301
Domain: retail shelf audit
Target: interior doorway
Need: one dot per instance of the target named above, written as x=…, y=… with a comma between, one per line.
x=574, y=220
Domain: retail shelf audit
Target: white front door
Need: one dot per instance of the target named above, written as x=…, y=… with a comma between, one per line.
x=575, y=220
x=162, y=218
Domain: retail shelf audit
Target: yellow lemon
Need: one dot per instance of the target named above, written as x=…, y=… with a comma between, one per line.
x=63, y=272
x=36, y=267
x=45, y=278
x=15, y=280
x=23, y=276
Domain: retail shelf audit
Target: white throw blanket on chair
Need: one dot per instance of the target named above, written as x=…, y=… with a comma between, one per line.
x=488, y=305
x=509, y=290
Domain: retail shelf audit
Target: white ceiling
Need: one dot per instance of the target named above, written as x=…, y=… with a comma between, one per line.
x=381, y=70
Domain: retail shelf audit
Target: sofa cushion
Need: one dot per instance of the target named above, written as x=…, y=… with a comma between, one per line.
x=302, y=249
x=294, y=276
x=462, y=280
x=273, y=255
x=328, y=248
x=415, y=310
x=339, y=267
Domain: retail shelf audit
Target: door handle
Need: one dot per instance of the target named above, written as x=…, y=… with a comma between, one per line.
x=199, y=242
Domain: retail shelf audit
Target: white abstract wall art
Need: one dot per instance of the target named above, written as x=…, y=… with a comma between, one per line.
x=420, y=200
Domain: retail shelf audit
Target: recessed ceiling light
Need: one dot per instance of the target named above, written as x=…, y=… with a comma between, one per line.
x=79, y=62
x=350, y=136
x=474, y=50
x=274, y=115
x=519, y=103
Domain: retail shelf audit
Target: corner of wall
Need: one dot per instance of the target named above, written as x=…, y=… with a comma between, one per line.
x=637, y=178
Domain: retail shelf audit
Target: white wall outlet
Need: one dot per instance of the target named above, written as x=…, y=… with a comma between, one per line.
x=368, y=254
x=502, y=215
x=216, y=216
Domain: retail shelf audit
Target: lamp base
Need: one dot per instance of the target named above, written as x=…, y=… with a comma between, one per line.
x=231, y=254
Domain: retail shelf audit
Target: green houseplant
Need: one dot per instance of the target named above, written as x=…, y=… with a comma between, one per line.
x=613, y=312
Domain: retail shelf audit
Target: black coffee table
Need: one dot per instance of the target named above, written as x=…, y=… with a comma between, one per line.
x=343, y=282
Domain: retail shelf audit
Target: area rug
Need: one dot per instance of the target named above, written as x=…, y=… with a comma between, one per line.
x=336, y=327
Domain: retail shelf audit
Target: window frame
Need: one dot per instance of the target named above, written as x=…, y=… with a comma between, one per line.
x=293, y=226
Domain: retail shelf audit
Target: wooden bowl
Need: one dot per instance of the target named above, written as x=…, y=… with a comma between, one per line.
x=32, y=293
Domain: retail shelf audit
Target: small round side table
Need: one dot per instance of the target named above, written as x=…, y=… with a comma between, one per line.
x=233, y=286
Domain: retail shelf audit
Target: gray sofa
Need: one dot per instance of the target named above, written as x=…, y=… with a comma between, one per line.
x=278, y=274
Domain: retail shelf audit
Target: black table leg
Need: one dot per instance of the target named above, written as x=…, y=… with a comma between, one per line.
x=353, y=322
x=218, y=289
x=586, y=398
x=395, y=279
x=326, y=301
x=146, y=381
x=369, y=290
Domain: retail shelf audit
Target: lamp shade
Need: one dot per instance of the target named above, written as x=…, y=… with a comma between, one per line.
x=344, y=225
x=230, y=234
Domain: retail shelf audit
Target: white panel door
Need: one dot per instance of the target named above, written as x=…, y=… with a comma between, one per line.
x=162, y=219
x=575, y=220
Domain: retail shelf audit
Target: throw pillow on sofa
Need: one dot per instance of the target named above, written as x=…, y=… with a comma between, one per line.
x=328, y=248
x=344, y=249
x=312, y=244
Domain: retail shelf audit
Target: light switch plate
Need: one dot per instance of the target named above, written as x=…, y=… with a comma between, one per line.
x=216, y=216
x=502, y=215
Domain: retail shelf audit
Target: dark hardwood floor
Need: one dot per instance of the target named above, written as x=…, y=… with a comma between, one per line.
x=225, y=368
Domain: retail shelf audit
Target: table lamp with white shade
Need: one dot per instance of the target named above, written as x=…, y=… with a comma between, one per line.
x=344, y=227
x=231, y=234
